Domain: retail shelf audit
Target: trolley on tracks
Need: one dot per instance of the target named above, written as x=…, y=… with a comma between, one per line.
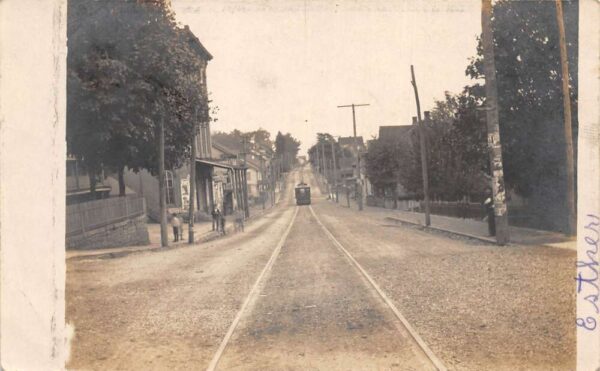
x=302, y=194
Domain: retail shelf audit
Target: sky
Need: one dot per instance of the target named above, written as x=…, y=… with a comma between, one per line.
x=286, y=65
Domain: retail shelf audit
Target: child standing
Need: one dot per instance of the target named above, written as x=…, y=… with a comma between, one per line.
x=176, y=224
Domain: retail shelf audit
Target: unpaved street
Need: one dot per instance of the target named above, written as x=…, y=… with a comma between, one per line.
x=166, y=309
x=476, y=306
x=316, y=312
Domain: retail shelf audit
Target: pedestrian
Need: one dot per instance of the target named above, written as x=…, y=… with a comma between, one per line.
x=215, y=219
x=222, y=222
x=176, y=224
x=488, y=204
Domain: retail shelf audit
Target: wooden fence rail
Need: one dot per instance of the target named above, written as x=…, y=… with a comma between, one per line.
x=91, y=215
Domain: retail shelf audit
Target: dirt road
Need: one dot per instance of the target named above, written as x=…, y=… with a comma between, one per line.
x=316, y=312
x=167, y=309
x=477, y=307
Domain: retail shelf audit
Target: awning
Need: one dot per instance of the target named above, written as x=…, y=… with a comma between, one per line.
x=220, y=164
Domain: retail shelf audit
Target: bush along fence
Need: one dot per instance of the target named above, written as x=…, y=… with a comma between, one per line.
x=464, y=210
x=111, y=222
x=518, y=215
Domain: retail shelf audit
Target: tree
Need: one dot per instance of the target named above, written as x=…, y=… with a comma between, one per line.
x=134, y=89
x=128, y=67
x=324, y=141
x=528, y=73
x=262, y=138
x=383, y=165
x=457, y=149
x=286, y=150
x=457, y=153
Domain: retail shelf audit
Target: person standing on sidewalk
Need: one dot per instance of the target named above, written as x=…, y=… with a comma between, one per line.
x=222, y=221
x=215, y=219
x=176, y=224
x=488, y=204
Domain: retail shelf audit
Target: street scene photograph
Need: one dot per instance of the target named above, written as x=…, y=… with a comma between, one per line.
x=321, y=185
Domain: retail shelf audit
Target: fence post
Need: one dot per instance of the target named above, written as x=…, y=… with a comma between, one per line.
x=127, y=206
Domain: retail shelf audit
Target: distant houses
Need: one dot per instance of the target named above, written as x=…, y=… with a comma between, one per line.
x=229, y=178
x=347, y=163
x=400, y=136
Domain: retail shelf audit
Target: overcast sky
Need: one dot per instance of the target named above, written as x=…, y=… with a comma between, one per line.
x=279, y=63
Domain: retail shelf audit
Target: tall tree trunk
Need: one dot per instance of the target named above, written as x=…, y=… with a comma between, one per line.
x=164, y=237
x=121, y=174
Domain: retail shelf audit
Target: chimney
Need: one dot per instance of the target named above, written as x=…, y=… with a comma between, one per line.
x=427, y=116
x=414, y=120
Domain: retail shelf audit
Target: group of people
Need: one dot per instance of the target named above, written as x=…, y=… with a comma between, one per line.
x=218, y=223
x=219, y=220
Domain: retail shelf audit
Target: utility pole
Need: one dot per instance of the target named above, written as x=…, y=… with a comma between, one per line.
x=360, y=185
x=572, y=216
x=192, y=178
x=164, y=237
x=318, y=160
x=422, y=142
x=493, y=127
x=272, y=179
x=324, y=166
x=262, y=181
x=245, y=178
x=335, y=183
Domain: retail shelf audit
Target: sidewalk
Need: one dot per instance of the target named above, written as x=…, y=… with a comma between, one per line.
x=477, y=229
x=202, y=233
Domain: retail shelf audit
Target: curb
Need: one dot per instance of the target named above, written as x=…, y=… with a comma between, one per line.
x=462, y=234
x=475, y=237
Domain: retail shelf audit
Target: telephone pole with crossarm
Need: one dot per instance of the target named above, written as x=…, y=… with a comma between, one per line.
x=359, y=180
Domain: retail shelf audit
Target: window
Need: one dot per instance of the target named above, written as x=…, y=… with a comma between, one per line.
x=169, y=187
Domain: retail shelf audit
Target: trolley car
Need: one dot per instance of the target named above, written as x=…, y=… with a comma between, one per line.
x=302, y=194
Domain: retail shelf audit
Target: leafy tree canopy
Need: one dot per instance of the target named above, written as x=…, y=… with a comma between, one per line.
x=129, y=68
x=286, y=149
x=528, y=73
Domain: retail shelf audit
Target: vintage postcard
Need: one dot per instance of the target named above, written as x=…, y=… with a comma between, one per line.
x=299, y=185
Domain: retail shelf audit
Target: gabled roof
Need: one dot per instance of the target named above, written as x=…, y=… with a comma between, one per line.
x=395, y=132
x=193, y=40
x=349, y=141
x=229, y=141
x=236, y=154
x=217, y=145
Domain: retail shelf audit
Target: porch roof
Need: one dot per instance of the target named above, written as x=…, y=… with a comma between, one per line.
x=219, y=164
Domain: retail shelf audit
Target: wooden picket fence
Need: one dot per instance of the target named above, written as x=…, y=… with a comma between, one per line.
x=86, y=216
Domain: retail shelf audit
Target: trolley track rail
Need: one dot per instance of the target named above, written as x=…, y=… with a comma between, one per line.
x=252, y=295
x=427, y=355
x=415, y=336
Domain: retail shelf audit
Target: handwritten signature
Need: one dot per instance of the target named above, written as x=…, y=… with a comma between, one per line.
x=587, y=272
